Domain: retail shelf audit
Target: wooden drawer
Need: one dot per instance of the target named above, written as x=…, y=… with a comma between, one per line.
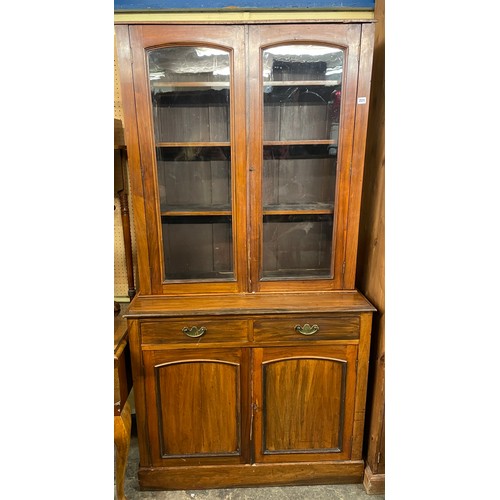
x=313, y=328
x=194, y=331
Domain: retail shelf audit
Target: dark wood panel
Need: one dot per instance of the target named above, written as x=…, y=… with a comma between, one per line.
x=134, y=336
x=361, y=385
x=228, y=476
x=283, y=330
x=171, y=332
x=197, y=405
x=304, y=403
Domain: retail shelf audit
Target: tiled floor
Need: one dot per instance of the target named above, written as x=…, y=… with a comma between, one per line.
x=330, y=492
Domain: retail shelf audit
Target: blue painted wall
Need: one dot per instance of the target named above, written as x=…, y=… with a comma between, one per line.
x=144, y=5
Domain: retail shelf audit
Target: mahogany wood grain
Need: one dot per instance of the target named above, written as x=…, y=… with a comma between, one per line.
x=134, y=336
x=307, y=418
x=283, y=330
x=303, y=403
x=358, y=155
x=170, y=332
x=251, y=401
x=230, y=476
x=197, y=400
x=334, y=302
x=361, y=385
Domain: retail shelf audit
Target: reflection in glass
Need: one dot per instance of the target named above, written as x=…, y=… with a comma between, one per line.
x=190, y=97
x=190, y=94
x=302, y=92
x=191, y=114
x=198, y=248
x=196, y=178
x=297, y=246
x=302, y=89
x=188, y=64
x=299, y=175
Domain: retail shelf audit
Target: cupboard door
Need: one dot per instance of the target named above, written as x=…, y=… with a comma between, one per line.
x=303, y=90
x=190, y=105
x=304, y=403
x=197, y=404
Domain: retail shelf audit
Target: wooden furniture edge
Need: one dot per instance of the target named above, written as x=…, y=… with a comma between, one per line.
x=374, y=484
x=248, y=475
x=241, y=304
x=122, y=428
x=361, y=385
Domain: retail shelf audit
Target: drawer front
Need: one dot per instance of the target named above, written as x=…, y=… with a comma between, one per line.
x=194, y=331
x=307, y=328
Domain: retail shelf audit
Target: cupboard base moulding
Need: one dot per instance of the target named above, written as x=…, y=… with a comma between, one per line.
x=234, y=476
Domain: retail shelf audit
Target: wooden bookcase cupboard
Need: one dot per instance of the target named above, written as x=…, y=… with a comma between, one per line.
x=249, y=341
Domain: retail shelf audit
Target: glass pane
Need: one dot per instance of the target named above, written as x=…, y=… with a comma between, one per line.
x=191, y=114
x=297, y=246
x=198, y=247
x=303, y=62
x=194, y=178
x=302, y=92
x=302, y=175
x=188, y=64
x=190, y=96
x=302, y=87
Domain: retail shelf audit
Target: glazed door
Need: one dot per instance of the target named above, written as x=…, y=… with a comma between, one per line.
x=304, y=403
x=190, y=98
x=303, y=82
x=250, y=170
x=197, y=406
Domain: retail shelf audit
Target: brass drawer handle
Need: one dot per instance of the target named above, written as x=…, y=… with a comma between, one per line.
x=194, y=331
x=307, y=329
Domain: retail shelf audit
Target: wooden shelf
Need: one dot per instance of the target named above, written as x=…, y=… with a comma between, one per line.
x=189, y=84
x=196, y=211
x=300, y=83
x=192, y=144
x=310, y=209
x=300, y=142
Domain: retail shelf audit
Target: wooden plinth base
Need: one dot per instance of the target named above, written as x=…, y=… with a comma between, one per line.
x=374, y=483
x=234, y=476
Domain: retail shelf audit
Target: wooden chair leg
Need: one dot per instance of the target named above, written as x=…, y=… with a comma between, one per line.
x=122, y=424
